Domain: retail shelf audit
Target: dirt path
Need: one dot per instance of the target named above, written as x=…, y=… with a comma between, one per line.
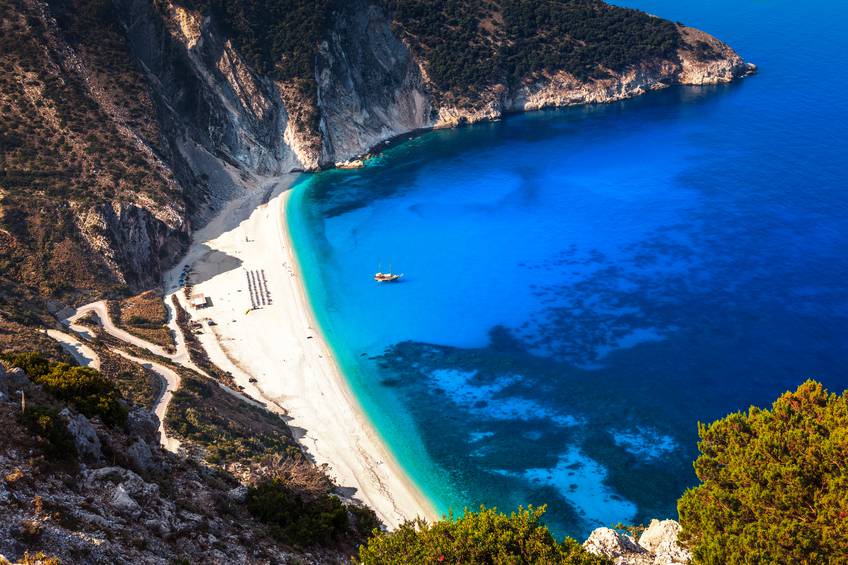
x=170, y=382
x=86, y=356
x=83, y=354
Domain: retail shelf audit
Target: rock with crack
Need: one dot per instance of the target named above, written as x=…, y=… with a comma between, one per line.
x=141, y=457
x=84, y=435
x=124, y=503
x=621, y=548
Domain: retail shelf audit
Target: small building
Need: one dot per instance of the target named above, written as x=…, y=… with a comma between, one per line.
x=199, y=301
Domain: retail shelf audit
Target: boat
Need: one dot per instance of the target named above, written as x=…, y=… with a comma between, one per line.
x=387, y=277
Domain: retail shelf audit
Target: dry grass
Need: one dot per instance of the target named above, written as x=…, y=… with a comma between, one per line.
x=137, y=384
x=144, y=315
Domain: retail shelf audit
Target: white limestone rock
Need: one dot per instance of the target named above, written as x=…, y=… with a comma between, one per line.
x=657, y=545
x=661, y=539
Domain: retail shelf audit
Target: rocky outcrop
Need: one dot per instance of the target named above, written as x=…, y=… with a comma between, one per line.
x=706, y=60
x=84, y=435
x=136, y=242
x=96, y=513
x=702, y=59
x=370, y=88
x=657, y=545
x=143, y=424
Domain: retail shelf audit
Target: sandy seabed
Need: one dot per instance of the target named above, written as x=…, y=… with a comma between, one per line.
x=242, y=261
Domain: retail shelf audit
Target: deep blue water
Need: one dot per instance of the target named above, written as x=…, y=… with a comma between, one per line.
x=582, y=286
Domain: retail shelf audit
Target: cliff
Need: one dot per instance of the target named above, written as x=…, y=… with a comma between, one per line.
x=129, y=121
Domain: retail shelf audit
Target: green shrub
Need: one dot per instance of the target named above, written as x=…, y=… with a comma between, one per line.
x=33, y=364
x=773, y=483
x=84, y=388
x=295, y=518
x=46, y=424
x=487, y=536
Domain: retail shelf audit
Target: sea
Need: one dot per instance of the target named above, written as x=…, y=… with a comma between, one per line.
x=581, y=287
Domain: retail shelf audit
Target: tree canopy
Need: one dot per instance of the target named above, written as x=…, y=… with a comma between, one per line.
x=774, y=483
x=487, y=536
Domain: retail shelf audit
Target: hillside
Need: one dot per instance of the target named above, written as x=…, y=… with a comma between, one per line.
x=126, y=122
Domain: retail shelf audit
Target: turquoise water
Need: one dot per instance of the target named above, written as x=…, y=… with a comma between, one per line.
x=582, y=286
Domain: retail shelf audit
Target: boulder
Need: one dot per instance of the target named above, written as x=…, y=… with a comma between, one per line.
x=622, y=549
x=657, y=545
x=84, y=435
x=143, y=424
x=142, y=458
x=238, y=494
x=16, y=378
x=124, y=503
x=661, y=539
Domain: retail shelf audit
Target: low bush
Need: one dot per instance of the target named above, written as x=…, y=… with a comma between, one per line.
x=297, y=518
x=86, y=390
x=230, y=430
x=487, y=536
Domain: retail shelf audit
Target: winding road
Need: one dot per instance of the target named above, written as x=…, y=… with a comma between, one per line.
x=82, y=354
x=171, y=380
x=86, y=356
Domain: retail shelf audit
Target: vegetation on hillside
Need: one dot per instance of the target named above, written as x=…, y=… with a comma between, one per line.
x=74, y=128
x=278, y=39
x=308, y=517
x=470, y=45
x=85, y=389
x=487, y=536
x=229, y=429
x=773, y=483
x=137, y=385
x=44, y=422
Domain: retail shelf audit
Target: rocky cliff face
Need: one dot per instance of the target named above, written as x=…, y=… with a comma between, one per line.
x=371, y=87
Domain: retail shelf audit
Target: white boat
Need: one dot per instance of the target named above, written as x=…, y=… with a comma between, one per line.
x=387, y=277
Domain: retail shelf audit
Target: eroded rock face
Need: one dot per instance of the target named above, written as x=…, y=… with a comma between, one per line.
x=134, y=241
x=697, y=69
x=84, y=434
x=370, y=87
x=656, y=546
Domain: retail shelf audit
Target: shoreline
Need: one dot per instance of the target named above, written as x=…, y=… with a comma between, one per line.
x=278, y=352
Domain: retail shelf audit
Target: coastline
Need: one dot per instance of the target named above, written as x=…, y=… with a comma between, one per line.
x=281, y=347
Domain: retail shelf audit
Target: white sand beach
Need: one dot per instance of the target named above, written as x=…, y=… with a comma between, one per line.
x=243, y=258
